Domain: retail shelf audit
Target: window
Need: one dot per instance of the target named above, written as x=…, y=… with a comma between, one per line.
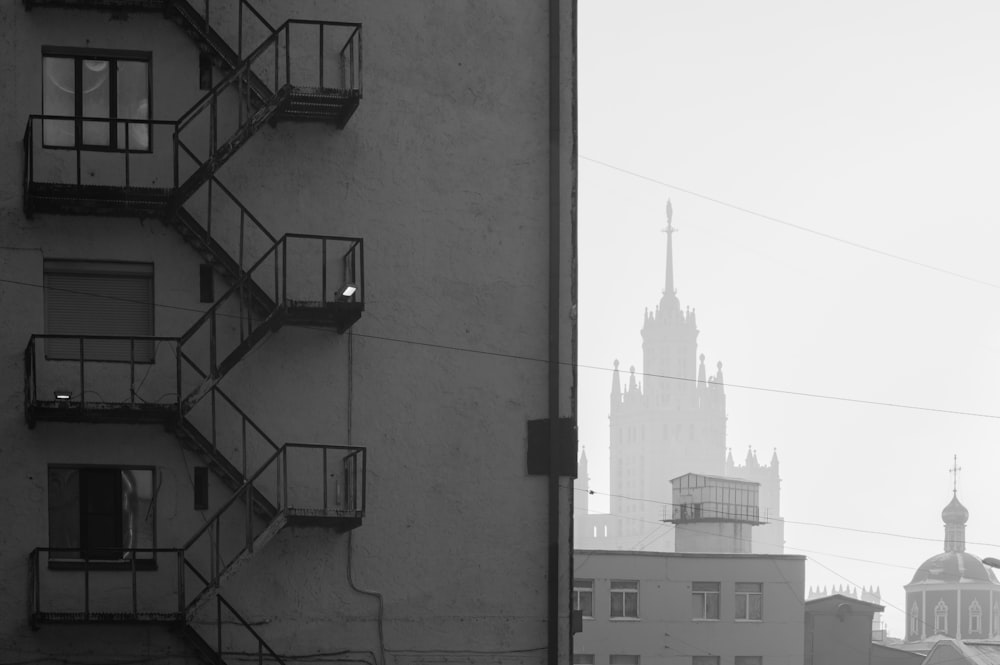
x=583, y=597
x=914, y=620
x=624, y=599
x=705, y=600
x=704, y=660
x=749, y=601
x=583, y=659
x=98, y=298
x=995, y=619
x=975, y=617
x=748, y=660
x=101, y=513
x=622, y=659
x=941, y=617
x=97, y=84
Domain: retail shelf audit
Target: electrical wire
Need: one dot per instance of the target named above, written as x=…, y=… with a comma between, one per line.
x=798, y=227
x=578, y=366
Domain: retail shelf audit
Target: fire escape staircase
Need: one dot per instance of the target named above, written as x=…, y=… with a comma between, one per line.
x=271, y=485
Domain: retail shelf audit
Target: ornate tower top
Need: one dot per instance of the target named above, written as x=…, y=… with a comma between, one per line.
x=668, y=286
x=954, y=516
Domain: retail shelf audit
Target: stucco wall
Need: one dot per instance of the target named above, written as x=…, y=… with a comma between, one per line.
x=666, y=633
x=444, y=171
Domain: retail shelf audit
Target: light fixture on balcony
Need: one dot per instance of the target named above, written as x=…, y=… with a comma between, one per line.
x=347, y=291
x=63, y=395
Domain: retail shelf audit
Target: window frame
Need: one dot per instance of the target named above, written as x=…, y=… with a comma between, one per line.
x=704, y=593
x=941, y=612
x=975, y=617
x=624, y=659
x=748, y=660
x=148, y=562
x=624, y=589
x=583, y=587
x=743, y=598
x=113, y=56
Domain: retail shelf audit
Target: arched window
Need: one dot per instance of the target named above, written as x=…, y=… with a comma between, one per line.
x=975, y=617
x=914, y=620
x=996, y=619
x=941, y=617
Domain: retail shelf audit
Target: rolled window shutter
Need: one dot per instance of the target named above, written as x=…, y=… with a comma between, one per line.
x=83, y=298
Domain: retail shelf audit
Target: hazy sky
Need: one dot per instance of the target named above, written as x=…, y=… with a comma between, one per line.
x=875, y=122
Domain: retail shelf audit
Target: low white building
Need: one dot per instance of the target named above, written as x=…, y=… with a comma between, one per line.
x=655, y=608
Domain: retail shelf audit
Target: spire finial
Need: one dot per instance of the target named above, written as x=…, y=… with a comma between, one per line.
x=955, y=468
x=668, y=288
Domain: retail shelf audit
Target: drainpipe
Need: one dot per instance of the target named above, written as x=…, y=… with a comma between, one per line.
x=555, y=188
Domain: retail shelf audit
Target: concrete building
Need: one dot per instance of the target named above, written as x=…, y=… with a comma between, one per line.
x=667, y=420
x=839, y=632
x=275, y=280
x=659, y=608
x=871, y=595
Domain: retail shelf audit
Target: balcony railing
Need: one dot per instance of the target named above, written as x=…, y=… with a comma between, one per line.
x=322, y=483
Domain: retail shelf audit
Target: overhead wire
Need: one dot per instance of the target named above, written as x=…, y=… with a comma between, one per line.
x=526, y=358
x=792, y=225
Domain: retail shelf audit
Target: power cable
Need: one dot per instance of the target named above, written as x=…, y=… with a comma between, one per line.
x=798, y=227
x=514, y=356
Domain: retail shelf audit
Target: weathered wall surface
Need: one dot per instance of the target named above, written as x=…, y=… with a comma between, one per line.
x=444, y=171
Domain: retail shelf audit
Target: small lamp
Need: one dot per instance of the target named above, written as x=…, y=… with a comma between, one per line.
x=347, y=291
x=63, y=395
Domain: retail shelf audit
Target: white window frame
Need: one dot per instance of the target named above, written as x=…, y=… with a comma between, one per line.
x=975, y=617
x=623, y=590
x=941, y=618
x=744, y=596
x=701, y=595
x=583, y=588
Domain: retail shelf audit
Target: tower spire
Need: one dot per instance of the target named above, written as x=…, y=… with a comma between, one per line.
x=668, y=287
x=955, y=468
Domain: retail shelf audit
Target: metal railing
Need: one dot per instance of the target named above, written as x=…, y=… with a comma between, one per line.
x=171, y=584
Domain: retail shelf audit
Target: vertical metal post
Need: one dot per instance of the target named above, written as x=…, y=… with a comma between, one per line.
x=244, y=435
x=325, y=483
x=249, y=531
x=177, y=164
x=82, y=397
x=217, y=553
x=38, y=583
x=284, y=270
x=214, y=422
x=127, y=167
x=239, y=31
x=177, y=354
x=213, y=122
x=86, y=587
x=131, y=366
x=79, y=167
x=324, y=269
x=288, y=55
x=364, y=478
x=284, y=467
x=135, y=591
x=320, y=26
x=218, y=624
x=211, y=344
x=211, y=187
x=180, y=582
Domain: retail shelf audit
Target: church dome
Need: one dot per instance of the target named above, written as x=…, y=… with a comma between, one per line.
x=954, y=568
x=955, y=512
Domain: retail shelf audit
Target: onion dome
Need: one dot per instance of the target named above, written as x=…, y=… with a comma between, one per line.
x=953, y=568
x=955, y=512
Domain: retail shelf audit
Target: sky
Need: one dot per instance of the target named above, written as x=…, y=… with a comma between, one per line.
x=789, y=136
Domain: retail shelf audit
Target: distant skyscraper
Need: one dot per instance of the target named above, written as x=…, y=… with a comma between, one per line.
x=667, y=421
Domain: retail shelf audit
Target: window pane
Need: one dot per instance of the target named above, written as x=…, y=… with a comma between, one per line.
x=96, y=93
x=704, y=660
x=624, y=584
x=583, y=659
x=133, y=103
x=712, y=606
x=617, y=607
x=632, y=605
x=756, y=606
x=705, y=586
x=64, y=512
x=698, y=605
x=741, y=606
x=619, y=659
x=58, y=95
x=747, y=586
x=748, y=660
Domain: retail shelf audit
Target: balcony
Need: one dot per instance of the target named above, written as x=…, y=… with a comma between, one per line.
x=299, y=484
